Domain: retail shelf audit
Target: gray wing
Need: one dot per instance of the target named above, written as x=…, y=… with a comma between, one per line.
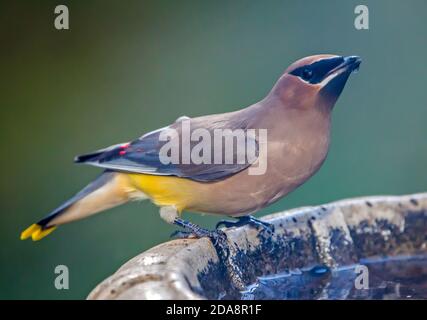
x=152, y=153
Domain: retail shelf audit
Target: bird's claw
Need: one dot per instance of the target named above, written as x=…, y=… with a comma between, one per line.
x=217, y=237
x=194, y=231
x=268, y=227
x=225, y=223
x=245, y=221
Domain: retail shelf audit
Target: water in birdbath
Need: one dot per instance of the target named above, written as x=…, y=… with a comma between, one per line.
x=402, y=277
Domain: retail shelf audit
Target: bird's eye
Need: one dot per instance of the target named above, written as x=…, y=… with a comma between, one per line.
x=306, y=74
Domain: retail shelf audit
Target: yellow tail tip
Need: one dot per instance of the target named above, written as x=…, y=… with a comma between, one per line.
x=36, y=232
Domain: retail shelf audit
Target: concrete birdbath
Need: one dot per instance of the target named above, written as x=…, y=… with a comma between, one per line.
x=314, y=253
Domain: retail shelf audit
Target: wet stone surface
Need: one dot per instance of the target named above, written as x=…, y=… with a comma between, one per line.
x=399, y=277
x=319, y=262
x=312, y=254
x=381, y=236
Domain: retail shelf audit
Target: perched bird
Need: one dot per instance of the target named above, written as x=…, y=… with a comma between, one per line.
x=296, y=114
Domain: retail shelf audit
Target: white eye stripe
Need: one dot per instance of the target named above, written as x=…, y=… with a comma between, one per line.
x=305, y=81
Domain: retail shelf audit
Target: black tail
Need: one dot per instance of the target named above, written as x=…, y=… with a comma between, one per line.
x=94, y=156
x=88, y=157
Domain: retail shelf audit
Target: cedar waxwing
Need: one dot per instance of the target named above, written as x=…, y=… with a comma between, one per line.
x=296, y=115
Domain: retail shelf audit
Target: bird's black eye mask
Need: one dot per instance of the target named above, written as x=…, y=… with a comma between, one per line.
x=317, y=71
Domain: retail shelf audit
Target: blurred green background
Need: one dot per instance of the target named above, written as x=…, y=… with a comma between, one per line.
x=128, y=67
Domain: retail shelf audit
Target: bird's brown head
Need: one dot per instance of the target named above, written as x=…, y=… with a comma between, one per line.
x=315, y=81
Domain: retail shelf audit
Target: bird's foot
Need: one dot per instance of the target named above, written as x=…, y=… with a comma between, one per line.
x=245, y=220
x=192, y=230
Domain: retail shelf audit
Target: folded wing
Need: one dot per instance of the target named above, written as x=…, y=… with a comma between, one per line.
x=146, y=154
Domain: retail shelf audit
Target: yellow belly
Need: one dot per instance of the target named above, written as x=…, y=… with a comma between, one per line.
x=165, y=190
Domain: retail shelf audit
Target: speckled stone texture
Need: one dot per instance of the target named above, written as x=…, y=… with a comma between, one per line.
x=335, y=234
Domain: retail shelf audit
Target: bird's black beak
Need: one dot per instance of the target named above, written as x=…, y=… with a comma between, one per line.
x=349, y=64
x=335, y=79
x=353, y=62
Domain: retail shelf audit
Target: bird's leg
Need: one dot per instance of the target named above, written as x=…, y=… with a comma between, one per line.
x=191, y=229
x=244, y=220
x=170, y=215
